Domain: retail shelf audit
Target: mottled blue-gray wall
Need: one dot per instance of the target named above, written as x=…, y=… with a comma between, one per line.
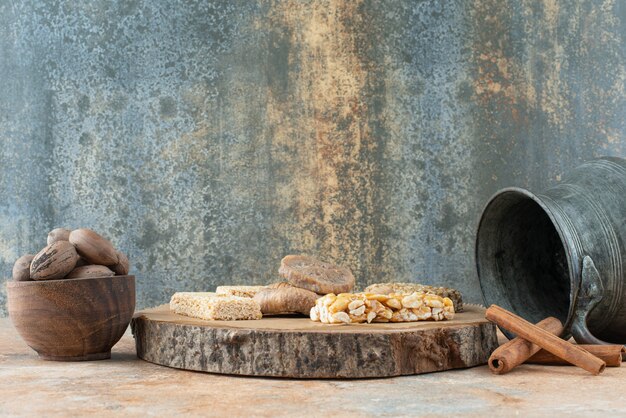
x=207, y=139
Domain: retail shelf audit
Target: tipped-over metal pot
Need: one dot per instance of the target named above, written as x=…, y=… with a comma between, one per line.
x=561, y=253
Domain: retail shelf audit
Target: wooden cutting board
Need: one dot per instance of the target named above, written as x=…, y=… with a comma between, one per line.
x=300, y=348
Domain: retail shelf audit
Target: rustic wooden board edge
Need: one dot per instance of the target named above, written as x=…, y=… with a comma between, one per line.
x=312, y=354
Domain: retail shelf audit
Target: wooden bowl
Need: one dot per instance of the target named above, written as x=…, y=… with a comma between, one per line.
x=72, y=320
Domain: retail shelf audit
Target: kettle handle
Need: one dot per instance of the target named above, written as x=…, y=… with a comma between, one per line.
x=589, y=295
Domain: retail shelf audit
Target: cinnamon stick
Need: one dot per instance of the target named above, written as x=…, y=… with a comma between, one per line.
x=560, y=348
x=515, y=352
x=610, y=354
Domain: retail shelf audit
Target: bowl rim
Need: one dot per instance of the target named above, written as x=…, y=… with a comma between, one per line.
x=12, y=283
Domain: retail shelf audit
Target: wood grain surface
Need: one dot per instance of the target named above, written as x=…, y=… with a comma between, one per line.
x=300, y=348
x=73, y=319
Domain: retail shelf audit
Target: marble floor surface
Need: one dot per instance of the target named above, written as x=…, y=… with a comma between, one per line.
x=128, y=386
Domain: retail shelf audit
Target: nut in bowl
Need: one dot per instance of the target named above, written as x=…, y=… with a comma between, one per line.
x=72, y=319
x=65, y=301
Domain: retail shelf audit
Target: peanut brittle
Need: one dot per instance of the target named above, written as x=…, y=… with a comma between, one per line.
x=371, y=307
x=444, y=292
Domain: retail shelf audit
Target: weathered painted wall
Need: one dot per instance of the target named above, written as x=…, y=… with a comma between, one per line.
x=209, y=138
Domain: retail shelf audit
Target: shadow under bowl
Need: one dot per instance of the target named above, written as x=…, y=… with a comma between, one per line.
x=74, y=319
